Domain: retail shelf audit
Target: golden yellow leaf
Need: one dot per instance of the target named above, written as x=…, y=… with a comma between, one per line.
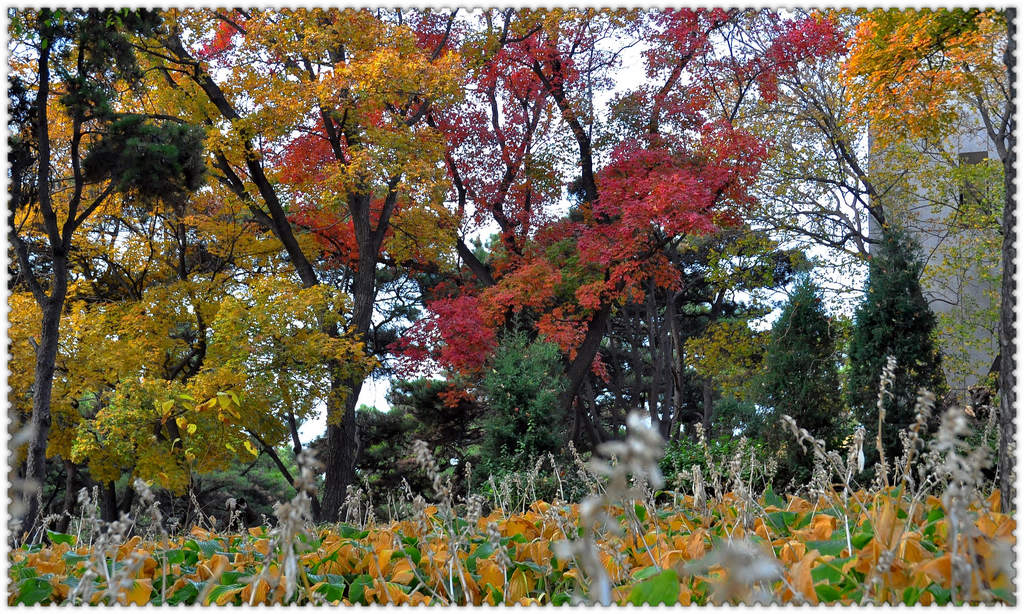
x=994, y=500
x=519, y=585
x=685, y=595
x=218, y=563
x=228, y=595
x=670, y=557
x=792, y=551
x=938, y=569
x=822, y=526
x=800, y=576
x=885, y=522
x=490, y=573
x=695, y=547
x=402, y=572
x=139, y=593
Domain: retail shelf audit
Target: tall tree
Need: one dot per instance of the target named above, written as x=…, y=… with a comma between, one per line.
x=682, y=167
x=324, y=114
x=801, y=378
x=894, y=320
x=72, y=150
x=915, y=73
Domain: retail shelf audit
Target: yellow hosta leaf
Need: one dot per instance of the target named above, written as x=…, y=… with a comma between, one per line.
x=694, y=547
x=490, y=573
x=685, y=594
x=139, y=593
x=885, y=522
x=255, y=592
x=800, y=577
x=402, y=572
x=519, y=585
x=228, y=595
x=262, y=546
x=938, y=569
x=670, y=558
x=994, y=500
x=822, y=526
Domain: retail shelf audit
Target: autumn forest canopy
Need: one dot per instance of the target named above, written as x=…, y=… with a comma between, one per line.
x=227, y=228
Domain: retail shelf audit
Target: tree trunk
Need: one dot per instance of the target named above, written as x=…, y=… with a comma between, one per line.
x=108, y=502
x=709, y=405
x=580, y=366
x=70, y=473
x=1007, y=381
x=46, y=360
x=50, y=306
x=342, y=435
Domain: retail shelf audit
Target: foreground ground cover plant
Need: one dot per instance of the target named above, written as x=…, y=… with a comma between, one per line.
x=623, y=543
x=798, y=550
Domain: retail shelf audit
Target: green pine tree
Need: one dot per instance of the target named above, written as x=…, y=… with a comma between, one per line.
x=894, y=320
x=801, y=379
x=521, y=393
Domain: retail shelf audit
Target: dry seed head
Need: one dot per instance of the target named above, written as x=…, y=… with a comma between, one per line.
x=885, y=385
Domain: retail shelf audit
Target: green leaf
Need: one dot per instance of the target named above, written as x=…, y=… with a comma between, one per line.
x=941, y=595
x=209, y=547
x=186, y=594
x=482, y=551
x=231, y=577
x=911, y=595
x=780, y=521
x=831, y=547
x=357, y=590
x=178, y=556
x=529, y=566
x=831, y=571
x=73, y=557
x=770, y=498
x=646, y=572
x=661, y=589
x=641, y=511
x=221, y=589
x=804, y=521
x=332, y=591
x=349, y=532
x=61, y=538
x=859, y=540
x=827, y=593
x=413, y=554
x=560, y=599
x=32, y=591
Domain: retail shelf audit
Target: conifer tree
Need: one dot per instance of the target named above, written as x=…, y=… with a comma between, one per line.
x=801, y=379
x=894, y=320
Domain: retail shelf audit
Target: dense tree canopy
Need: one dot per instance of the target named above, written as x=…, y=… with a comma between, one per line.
x=530, y=222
